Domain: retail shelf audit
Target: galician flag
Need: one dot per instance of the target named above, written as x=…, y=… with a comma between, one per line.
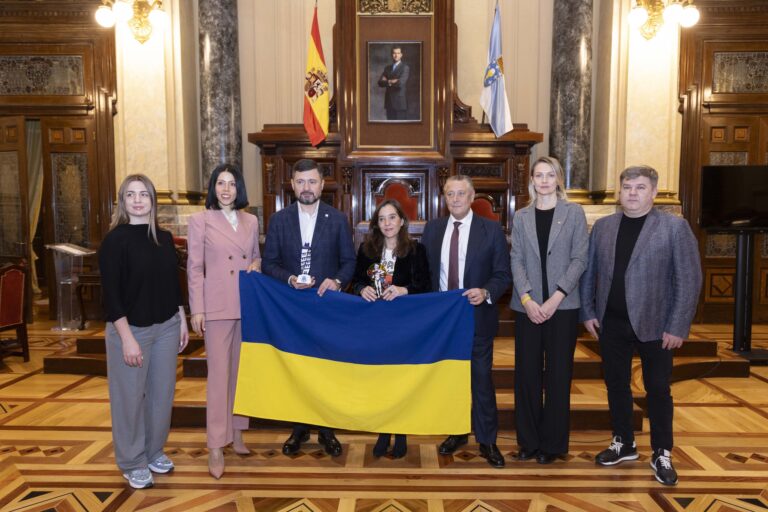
x=494, y=96
x=316, y=95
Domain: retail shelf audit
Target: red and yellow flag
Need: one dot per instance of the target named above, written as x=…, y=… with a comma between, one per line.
x=316, y=95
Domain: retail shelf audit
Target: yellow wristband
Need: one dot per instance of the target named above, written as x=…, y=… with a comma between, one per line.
x=526, y=298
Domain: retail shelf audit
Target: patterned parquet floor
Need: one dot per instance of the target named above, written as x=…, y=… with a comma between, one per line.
x=56, y=454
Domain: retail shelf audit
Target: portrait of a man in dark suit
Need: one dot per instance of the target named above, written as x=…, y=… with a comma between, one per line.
x=394, y=80
x=394, y=92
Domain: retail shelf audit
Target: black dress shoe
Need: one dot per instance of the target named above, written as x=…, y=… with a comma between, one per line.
x=525, y=454
x=546, y=458
x=491, y=453
x=331, y=445
x=452, y=443
x=293, y=443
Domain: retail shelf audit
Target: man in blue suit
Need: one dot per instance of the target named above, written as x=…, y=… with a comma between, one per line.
x=309, y=244
x=395, y=81
x=467, y=251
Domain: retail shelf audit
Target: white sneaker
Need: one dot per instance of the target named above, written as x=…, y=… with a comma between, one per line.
x=162, y=464
x=139, y=478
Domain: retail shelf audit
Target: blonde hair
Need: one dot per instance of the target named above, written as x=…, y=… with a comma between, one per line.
x=120, y=215
x=554, y=164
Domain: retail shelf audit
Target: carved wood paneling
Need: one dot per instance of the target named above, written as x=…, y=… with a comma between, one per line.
x=724, y=102
x=456, y=142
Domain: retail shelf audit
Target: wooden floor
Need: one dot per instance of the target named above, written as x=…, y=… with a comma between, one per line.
x=56, y=454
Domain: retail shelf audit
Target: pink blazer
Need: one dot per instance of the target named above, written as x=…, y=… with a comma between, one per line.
x=216, y=255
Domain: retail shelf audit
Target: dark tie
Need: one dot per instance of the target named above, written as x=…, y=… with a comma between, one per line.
x=453, y=258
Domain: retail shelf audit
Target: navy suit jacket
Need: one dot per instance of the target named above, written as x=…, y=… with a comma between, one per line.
x=394, y=95
x=333, y=255
x=487, y=265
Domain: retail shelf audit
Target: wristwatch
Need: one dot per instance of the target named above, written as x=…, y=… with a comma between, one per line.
x=338, y=283
x=487, y=294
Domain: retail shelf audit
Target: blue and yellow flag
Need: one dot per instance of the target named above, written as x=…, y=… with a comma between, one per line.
x=493, y=99
x=338, y=361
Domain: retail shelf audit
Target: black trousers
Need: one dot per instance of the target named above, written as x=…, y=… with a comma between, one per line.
x=300, y=428
x=617, y=346
x=485, y=420
x=543, y=373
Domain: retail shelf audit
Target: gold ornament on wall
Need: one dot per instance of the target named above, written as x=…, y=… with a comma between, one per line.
x=649, y=16
x=141, y=16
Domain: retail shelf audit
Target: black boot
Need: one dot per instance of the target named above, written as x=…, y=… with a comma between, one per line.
x=381, y=446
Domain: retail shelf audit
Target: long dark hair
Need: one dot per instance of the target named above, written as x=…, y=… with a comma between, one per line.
x=241, y=198
x=373, y=244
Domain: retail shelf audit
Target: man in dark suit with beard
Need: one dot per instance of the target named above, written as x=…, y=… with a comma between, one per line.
x=467, y=251
x=309, y=244
x=395, y=80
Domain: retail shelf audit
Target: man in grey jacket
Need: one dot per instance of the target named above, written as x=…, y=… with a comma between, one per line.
x=640, y=292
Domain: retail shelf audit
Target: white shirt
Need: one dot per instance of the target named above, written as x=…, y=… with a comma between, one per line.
x=307, y=223
x=231, y=217
x=445, y=252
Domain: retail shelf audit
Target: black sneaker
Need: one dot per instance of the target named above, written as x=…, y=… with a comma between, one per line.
x=661, y=462
x=617, y=452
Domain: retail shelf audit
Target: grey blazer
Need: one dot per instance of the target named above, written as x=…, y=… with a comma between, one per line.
x=566, y=254
x=663, y=278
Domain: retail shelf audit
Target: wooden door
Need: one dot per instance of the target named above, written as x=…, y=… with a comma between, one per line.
x=15, y=244
x=70, y=195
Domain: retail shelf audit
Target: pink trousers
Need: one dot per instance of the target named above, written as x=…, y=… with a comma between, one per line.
x=222, y=348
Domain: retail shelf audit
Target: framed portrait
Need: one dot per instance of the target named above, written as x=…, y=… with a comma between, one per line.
x=394, y=110
x=394, y=81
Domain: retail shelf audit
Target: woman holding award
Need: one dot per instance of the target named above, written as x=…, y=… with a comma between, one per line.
x=223, y=240
x=549, y=254
x=390, y=264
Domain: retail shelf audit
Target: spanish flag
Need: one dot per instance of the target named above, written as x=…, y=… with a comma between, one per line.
x=401, y=366
x=316, y=92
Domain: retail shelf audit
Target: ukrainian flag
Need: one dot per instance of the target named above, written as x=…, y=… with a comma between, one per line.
x=338, y=361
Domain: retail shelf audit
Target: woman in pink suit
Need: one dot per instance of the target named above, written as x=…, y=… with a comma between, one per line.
x=222, y=241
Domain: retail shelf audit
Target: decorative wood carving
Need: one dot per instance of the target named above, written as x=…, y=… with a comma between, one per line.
x=52, y=39
x=356, y=147
x=724, y=102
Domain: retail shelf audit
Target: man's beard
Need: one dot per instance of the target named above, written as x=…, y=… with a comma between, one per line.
x=308, y=201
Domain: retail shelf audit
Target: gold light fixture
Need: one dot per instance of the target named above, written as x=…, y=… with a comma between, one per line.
x=648, y=16
x=141, y=16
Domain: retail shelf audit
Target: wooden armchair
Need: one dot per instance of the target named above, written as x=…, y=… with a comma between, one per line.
x=12, y=290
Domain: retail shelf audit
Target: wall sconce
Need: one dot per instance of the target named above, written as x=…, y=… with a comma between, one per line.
x=649, y=16
x=140, y=15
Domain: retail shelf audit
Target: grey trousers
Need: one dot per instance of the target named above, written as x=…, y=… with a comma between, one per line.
x=141, y=398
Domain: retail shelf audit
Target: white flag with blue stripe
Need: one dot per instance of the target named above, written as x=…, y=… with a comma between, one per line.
x=494, y=96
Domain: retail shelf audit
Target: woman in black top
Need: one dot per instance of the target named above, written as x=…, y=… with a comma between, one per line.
x=549, y=254
x=390, y=264
x=146, y=329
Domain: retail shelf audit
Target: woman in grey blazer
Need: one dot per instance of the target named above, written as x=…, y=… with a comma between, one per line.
x=549, y=254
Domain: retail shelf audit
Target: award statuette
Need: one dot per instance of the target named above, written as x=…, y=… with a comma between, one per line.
x=380, y=278
x=306, y=260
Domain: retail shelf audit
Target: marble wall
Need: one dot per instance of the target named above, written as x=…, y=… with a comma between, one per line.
x=636, y=119
x=156, y=126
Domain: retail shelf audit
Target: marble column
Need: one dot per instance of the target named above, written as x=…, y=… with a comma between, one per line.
x=220, y=127
x=571, y=100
